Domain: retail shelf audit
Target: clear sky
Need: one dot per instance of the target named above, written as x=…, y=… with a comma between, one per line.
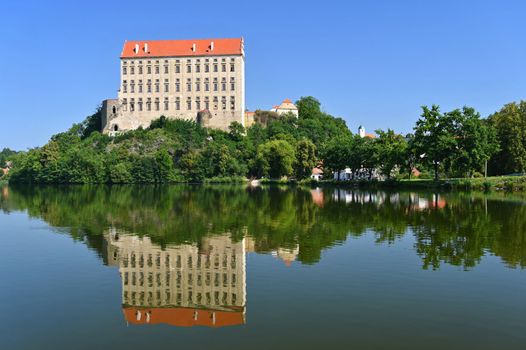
x=371, y=62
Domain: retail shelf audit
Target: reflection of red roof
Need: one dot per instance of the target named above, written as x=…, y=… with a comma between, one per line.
x=440, y=203
x=183, y=317
x=317, y=197
x=171, y=48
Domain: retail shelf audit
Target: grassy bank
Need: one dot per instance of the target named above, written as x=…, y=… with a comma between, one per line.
x=497, y=183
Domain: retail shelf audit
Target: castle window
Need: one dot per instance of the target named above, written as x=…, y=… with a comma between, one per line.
x=207, y=67
x=132, y=105
x=198, y=85
x=125, y=104
x=215, y=84
x=177, y=67
x=124, y=70
x=140, y=69
x=132, y=86
x=113, y=110
x=166, y=85
x=177, y=85
x=157, y=103
x=198, y=67
x=115, y=127
x=140, y=86
x=223, y=67
x=232, y=65
x=140, y=104
x=177, y=103
x=132, y=70
x=166, y=104
x=156, y=69
x=198, y=103
x=207, y=102
x=149, y=106
x=215, y=65
x=188, y=84
x=189, y=103
x=149, y=85
x=156, y=85
x=232, y=103
x=165, y=69
x=223, y=84
x=148, y=69
x=124, y=86
x=188, y=67
x=215, y=103
x=207, y=84
x=232, y=84
x=223, y=103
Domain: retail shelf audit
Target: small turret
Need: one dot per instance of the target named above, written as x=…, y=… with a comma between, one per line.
x=361, y=131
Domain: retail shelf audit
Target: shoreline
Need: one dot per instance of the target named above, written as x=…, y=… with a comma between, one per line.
x=496, y=183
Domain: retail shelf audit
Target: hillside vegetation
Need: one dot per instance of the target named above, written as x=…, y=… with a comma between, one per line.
x=455, y=144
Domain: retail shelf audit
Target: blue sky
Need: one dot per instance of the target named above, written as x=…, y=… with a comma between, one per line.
x=370, y=62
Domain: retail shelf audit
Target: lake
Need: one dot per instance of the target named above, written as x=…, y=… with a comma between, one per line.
x=223, y=267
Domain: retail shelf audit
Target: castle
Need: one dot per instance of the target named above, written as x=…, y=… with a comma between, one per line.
x=199, y=80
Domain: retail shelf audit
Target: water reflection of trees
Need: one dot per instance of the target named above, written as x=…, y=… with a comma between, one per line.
x=456, y=229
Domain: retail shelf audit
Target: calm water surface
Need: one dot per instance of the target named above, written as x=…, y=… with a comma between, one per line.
x=128, y=267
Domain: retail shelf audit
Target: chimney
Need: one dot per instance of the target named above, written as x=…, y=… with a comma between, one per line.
x=136, y=50
x=212, y=46
x=146, y=47
x=193, y=47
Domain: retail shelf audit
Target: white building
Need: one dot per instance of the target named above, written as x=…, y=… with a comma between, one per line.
x=286, y=107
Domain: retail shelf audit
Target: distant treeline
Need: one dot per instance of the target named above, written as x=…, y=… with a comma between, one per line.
x=453, y=144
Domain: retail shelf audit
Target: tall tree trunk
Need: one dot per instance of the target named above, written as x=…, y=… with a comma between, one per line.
x=436, y=171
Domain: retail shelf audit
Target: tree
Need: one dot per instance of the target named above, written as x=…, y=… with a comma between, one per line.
x=411, y=156
x=337, y=154
x=236, y=131
x=308, y=107
x=305, y=158
x=510, y=126
x=6, y=155
x=370, y=155
x=276, y=158
x=477, y=142
x=434, y=137
x=392, y=149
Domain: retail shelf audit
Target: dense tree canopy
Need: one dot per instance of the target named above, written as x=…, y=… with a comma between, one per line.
x=510, y=126
x=456, y=144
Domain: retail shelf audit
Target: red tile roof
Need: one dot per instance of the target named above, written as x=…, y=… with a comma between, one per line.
x=184, y=317
x=171, y=48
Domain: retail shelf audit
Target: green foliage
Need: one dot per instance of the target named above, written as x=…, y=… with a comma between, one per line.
x=305, y=159
x=434, y=137
x=510, y=126
x=456, y=143
x=337, y=154
x=6, y=155
x=276, y=158
x=392, y=151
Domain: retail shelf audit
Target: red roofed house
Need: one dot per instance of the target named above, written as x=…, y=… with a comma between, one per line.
x=201, y=80
x=286, y=107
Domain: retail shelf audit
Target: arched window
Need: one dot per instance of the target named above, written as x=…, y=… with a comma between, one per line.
x=115, y=127
x=114, y=110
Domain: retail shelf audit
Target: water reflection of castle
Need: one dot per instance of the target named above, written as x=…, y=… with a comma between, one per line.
x=182, y=285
